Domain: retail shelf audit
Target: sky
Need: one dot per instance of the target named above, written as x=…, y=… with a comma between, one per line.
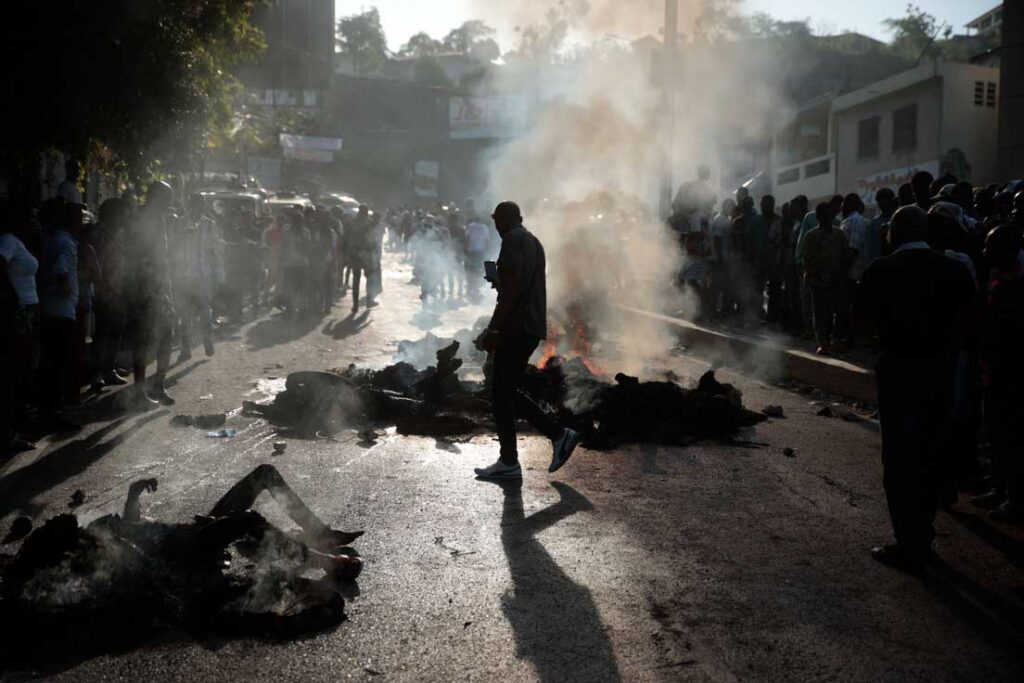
x=402, y=18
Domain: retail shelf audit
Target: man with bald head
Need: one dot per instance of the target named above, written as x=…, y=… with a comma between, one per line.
x=920, y=301
x=518, y=325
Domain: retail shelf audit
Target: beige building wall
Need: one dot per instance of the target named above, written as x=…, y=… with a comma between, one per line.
x=969, y=127
x=929, y=99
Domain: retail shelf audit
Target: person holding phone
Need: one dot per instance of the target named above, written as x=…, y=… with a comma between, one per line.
x=518, y=325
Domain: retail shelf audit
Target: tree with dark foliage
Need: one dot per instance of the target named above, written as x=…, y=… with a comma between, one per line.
x=136, y=83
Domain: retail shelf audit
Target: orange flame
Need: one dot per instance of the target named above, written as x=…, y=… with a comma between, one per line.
x=575, y=342
x=549, y=352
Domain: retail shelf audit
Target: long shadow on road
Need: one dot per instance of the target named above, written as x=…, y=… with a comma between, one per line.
x=21, y=487
x=343, y=329
x=555, y=620
x=278, y=329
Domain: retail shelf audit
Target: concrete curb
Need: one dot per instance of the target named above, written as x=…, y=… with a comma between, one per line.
x=832, y=375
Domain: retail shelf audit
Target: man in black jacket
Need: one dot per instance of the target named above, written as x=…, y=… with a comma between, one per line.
x=518, y=325
x=920, y=301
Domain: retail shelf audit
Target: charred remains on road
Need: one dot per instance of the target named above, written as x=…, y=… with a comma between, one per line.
x=436, y=402
x=72, y=591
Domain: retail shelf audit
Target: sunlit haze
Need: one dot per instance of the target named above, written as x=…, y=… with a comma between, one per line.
x=403, y=18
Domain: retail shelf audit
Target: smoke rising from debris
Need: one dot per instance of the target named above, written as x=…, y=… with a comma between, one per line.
x=588, y=169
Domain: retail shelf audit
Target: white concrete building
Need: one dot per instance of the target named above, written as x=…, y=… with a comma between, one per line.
x=935, y=117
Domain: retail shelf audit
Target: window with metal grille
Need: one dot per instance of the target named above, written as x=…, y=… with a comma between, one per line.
x=904, y=129
x=790, y=175
x=867, y=138
x=979, y=93
x=990, y=95
x=817, y=168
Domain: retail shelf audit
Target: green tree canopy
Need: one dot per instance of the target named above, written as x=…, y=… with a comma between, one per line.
x=361, y=38
x=421, y=45
x=473, y=38
x=915, y=32
x=137, y=82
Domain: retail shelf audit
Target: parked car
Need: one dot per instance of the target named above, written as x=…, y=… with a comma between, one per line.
x=224, y=201
x=281, y=201
x=348, y=203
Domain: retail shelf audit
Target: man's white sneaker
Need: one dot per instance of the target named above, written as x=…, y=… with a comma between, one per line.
x=500, y=470
x=563, y=448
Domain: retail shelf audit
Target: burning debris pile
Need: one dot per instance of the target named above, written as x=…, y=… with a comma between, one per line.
x=435, y=402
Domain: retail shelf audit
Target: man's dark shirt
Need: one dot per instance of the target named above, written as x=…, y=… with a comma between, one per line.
x=1003, y=335
x=522, y=251
x=919, y=299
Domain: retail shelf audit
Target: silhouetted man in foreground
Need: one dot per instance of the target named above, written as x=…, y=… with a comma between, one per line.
x=517, y=326
x=920, y=300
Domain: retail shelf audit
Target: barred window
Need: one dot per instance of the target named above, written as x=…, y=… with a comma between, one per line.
x=904, y=129
x=867, y=138
x=990, y=95
x=790, y=175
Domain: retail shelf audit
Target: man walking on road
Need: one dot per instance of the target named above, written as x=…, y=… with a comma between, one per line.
x=920, y=301
x=518, y=325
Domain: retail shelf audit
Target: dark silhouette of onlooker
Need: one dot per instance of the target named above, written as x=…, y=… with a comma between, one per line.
x=58, y=299
x=921, y=182
x=109, y=307
x=823, y=254
x=151, y=307
x=920, y=302
x=1003, y=372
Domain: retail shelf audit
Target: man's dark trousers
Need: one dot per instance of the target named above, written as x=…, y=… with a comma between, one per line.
x=510, y=359
x=914, y=403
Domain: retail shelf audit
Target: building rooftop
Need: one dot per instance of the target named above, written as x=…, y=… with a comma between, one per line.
x=988, y=20
x=901, y=81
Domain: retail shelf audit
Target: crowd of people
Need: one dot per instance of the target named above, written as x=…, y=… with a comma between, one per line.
x=84, y=304
x=751, y=263
x=933, y=281
x=447, y=247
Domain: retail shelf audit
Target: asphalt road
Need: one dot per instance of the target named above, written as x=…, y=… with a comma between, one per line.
x=714, y=562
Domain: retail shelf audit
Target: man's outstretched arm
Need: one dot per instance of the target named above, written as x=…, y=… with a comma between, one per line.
x=132, y=513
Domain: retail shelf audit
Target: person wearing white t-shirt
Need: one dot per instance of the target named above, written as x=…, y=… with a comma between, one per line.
x=17, y=272
x=19, y=329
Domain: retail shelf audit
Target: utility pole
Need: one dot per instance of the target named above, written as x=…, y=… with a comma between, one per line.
x=668, y=103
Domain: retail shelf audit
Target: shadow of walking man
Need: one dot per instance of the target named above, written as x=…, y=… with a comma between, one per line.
x=555, y=620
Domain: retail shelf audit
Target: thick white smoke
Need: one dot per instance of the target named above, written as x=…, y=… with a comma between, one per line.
x=588, y=169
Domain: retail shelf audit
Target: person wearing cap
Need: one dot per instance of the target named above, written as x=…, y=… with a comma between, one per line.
x=518, y=325
x=921, y=302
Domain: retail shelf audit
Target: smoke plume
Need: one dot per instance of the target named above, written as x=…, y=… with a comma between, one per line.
x=588, y=169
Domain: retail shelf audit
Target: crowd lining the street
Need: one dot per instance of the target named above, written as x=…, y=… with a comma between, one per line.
x=85, y=303
x=949, y=332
